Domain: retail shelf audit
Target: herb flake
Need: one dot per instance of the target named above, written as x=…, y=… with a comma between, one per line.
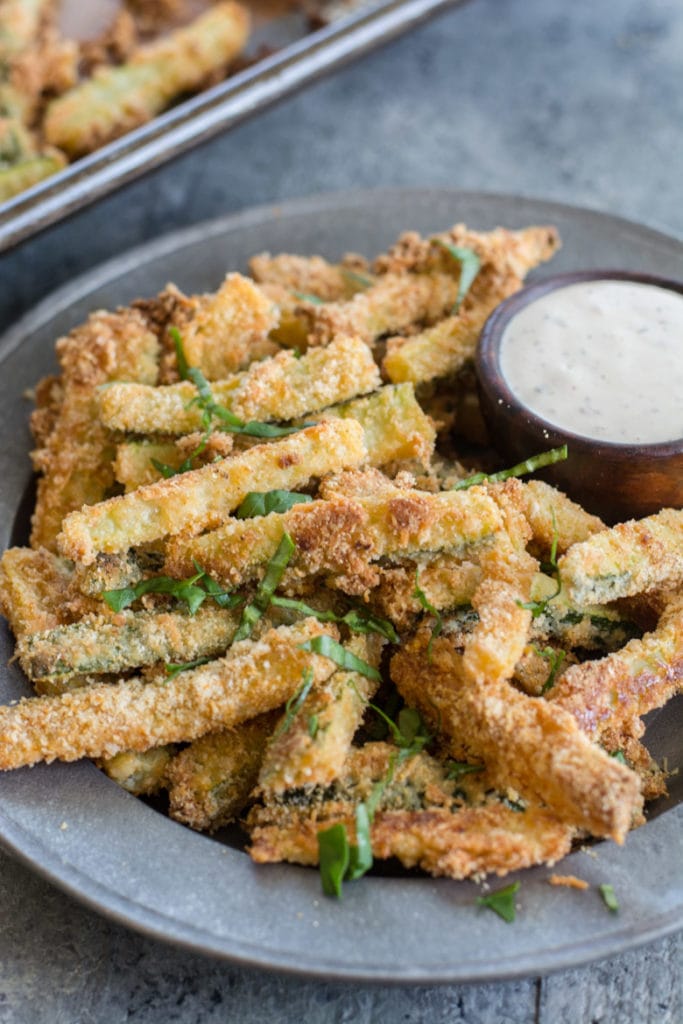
x=262, y=503
x=502, y=902
x=609, y=898
x=470, y=264
x=530, y=465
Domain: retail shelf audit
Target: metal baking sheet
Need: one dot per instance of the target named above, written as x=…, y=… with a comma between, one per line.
x=298, y=60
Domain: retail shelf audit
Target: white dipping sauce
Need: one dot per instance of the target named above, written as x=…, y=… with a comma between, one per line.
x=603, y=359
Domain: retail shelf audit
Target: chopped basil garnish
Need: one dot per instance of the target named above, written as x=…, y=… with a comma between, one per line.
x=470, y=265
x=295, y=703
x=538, y=608
x=521, y=469
x=186, y=465
x=333, y=856
x=502, y=902
x=211, y=410
x=618, y=755
x=173, y=668
x=315, y=300
x=425, y=603
x=555, y=660
x=609, y=898
x=357, y=619
x=313, y=726
x=362, y=280
x=262, y=503
x=193, y=591
x=274, y=572
x=329, y=648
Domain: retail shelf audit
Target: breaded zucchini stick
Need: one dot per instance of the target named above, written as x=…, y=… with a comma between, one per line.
x=32, y=585
x=28, y=172
x=310, y=750
x=131, y=639
x=103, y=720
x=394, y=303
x=417, y=821
x=202, y=498
x=506, y=257
x=229, y=330
x=556, y=519
x=209, y=782
x=395, y=426
x=312, y=275
x=340, y=537
x=643, y=675
x=76, y=458
x=281, y=388
x=139, y=772
x=117, y=99
x=524, y=741
x=133, y=465
x=632, y=558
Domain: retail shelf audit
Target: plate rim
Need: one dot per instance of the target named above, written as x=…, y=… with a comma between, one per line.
x=124, y=910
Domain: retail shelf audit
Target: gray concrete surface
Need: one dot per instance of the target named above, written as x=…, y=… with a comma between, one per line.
x=580, y=102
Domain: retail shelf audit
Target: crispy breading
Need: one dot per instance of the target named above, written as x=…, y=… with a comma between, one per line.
x=417, y=820
x=446, y=581
x=139, y=772
x=643, y=675
x=281, y=388
x=32, y=585
x=631, y=558
x=128, y=640
x=210, y=781
x=116, y=99
x=556, y=519
x=311, y=275
x=525, y=741
x=134, y=465
x=339, y=538
x=202, y=498
x=229, y=329
x=519, y=251
x=394, y=303
x=441, y=350
x=310, y=750
x=394, y=424
x=569, y=881
x=76, y=457
x=103, y=720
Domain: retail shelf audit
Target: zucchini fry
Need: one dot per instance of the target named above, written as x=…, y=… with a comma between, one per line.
x=556, y=519
x=524, y=741
x=310, y=750
x=311, y=275
x=202, y=498
x=643, y=675
x=394, y=303
x=281, y=388
x=394, y=424
x=632, y=558
x=229, y=329
x=117, y=99
x=134, y=466
x=32, y=585
x=103, y=720
x=209, y=782
x=131, y=639
x=76, y=458
x=139, y=772
x=341, y=537
x=417, y=820
x=443, y=349
x=28, y=172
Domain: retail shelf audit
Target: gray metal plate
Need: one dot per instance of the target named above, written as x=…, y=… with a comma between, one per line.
x=116, y=854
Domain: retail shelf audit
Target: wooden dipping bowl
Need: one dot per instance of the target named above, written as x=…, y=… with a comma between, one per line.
x=615, y=481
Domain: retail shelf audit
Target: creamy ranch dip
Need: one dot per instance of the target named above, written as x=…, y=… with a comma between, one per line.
x=603, y=359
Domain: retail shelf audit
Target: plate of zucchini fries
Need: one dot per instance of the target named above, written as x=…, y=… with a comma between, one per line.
x=272, y=583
